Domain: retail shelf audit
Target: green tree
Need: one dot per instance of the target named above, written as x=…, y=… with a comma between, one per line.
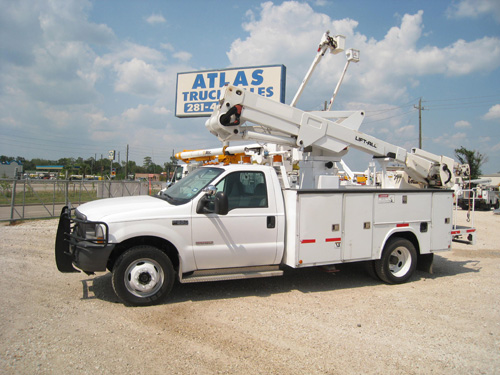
x=147, y=162
x=474, y=158
x=27, y=164
x=150, y=166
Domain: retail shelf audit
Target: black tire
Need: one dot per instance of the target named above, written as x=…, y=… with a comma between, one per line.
x=497, y=205
x=143, y=276
x=398, y=262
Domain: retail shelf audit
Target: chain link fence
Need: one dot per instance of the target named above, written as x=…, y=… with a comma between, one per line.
x=39, y=199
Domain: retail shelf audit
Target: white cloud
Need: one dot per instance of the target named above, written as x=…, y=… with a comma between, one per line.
x=496, y=147
x=147, y=116
x=20, y=30
x=183, y=56
x=406, y=131
x=68, y=20
x=462, y=124
x=451, y=141
x=155, y=18
x=97, y=120
x=320, y=3
x=388, y=67
x=474, y=9
x=148, y=129
x=493, y=113
x=167, y=46
x=467, y=57
x=47, y=51
x=60, y=118
x=128, y=51
x=138, y=77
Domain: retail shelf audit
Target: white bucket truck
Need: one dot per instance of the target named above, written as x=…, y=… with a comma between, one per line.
x=237, y=221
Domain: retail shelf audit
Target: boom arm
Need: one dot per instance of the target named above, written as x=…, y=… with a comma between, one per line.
x=321, y=134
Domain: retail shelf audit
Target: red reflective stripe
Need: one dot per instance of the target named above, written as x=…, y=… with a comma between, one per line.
x=333, y=239
x=402, y=225
x=455, y=231
x=471, y=230
x=308, y=241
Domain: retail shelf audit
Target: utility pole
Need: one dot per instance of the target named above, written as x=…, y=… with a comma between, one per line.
x=420, y=109
x=126, y=166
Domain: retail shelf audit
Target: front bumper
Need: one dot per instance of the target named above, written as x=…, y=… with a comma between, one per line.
x=72, y=249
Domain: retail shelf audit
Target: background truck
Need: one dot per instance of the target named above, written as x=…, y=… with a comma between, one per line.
x=482, y=197
x=238, y=221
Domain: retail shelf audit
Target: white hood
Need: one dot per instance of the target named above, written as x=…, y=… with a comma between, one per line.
x=141, y=207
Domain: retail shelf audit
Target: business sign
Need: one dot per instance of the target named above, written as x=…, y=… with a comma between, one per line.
x=198, y=93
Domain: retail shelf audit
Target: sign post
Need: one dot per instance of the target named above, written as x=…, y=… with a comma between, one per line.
x=111, y=157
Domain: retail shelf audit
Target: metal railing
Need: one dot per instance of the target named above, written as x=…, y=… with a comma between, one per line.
x=39, y=199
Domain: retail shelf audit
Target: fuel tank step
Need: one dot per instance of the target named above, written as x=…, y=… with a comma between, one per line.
x=231, y=274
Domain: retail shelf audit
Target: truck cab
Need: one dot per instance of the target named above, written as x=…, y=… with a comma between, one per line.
x=217, y=217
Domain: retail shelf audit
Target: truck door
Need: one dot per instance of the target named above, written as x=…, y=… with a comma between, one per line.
x=247, y=235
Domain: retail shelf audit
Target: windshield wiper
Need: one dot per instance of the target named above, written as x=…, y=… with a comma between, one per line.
x=172, y=200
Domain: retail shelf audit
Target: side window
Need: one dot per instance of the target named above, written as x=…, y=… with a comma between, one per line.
x=244, y=189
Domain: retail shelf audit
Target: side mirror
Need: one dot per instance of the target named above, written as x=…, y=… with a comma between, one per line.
x=206, y=203
x=213, y=203
x=210, y=190
x=221, y=203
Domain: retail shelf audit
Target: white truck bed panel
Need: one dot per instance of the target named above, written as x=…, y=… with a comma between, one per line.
x=344, y=225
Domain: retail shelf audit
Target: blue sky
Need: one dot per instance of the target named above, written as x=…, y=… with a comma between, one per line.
x=80, y=78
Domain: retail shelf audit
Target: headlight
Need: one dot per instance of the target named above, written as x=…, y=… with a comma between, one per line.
x=80, y=216
x=95, y=232
x=99, y=233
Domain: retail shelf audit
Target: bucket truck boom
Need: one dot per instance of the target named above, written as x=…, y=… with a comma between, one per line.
x=323, y=136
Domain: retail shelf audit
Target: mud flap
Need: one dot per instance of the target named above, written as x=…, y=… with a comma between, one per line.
x=64, y=260
x=424, y=262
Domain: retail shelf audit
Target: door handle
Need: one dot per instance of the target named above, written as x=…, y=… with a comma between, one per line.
x=271, y=221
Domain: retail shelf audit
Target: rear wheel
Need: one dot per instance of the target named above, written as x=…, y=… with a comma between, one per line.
x=398, y=262
x=143, y=276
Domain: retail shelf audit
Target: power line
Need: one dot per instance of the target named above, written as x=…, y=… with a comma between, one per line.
x=464, y=98
x=384, y=110
x=387, y=118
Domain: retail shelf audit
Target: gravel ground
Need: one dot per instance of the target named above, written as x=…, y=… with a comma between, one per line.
x=307, y=322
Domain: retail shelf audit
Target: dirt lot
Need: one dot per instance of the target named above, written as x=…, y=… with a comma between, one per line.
x=307, y=322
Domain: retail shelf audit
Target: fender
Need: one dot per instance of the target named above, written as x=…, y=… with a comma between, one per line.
x=407, y=232
x=174, y=230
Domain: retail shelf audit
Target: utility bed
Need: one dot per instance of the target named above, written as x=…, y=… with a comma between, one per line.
x=345, y=225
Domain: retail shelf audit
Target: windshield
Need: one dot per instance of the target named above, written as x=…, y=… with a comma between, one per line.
x=184, y=190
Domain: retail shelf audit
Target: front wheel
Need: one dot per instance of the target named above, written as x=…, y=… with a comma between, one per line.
x=398, y=262
x=143, y=276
